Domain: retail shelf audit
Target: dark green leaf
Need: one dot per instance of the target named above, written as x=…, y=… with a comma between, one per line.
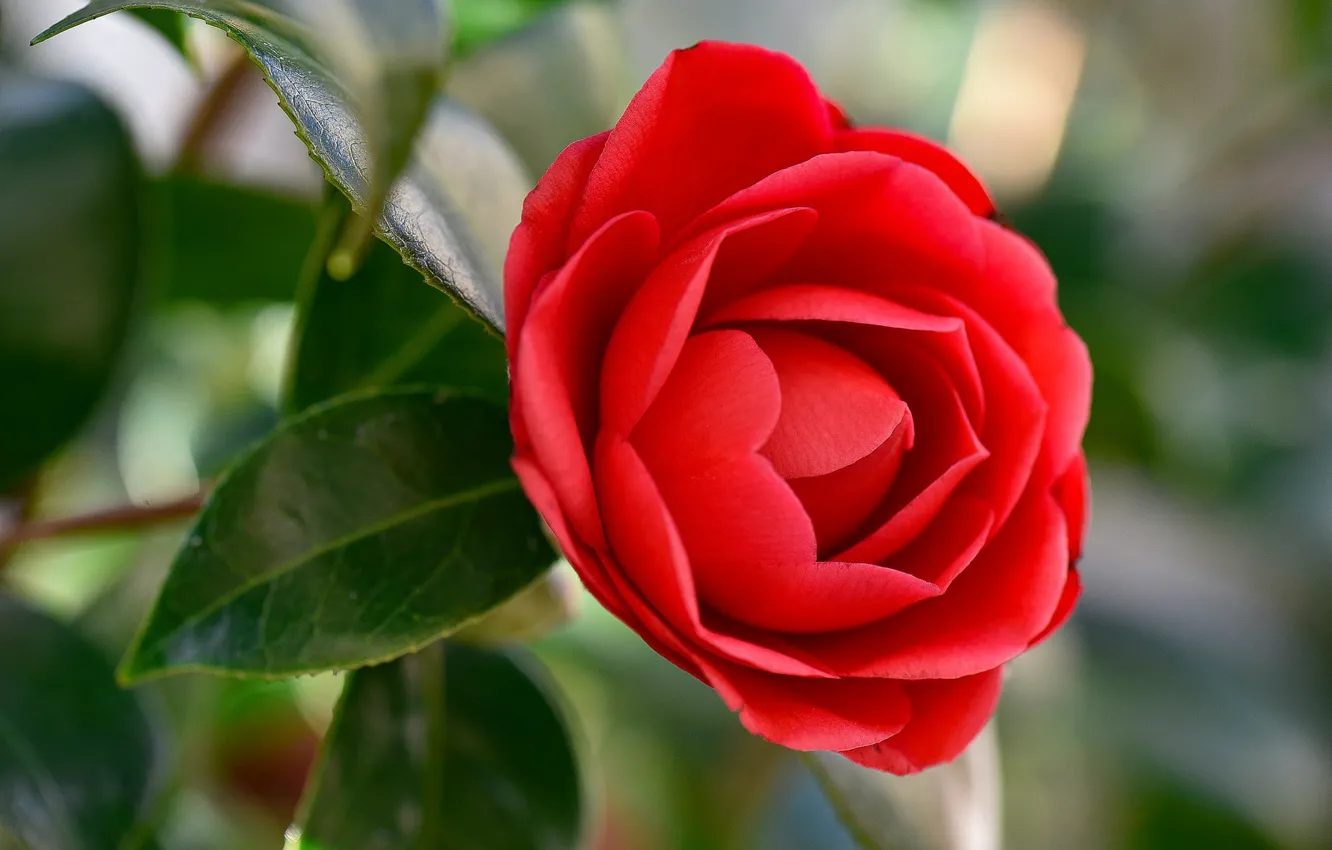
x=170, y=25
x=359, y=531
x=228, y=244
x=358, y=78
x=383, y=327
x=76, y=752
x=69, y=260
x=455, y=748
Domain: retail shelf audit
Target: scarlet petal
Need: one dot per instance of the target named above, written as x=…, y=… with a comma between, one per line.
x=649, y=551
x=942, y=458
x=926, y=153
x=1013, y=436
x=946, y=716
x=809, y=714
x=538, y=243
x=1068, y=600
x=1073, y=492
x=580, y=556
x=1015, y=292
x=840, y=502
x=803, y=302
x=880, y=220
x=654, y=326
x=835, y=409
x=990, y=615
x=688, y=140
x=557, y=364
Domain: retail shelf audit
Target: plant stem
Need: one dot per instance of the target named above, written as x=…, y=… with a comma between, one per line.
x=113, y=520
x=214, y=112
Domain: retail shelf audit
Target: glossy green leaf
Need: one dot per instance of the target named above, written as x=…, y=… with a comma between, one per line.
x=455, y=748
x=382, y=326
x=168, y=24
x=69, y=261
x=227, y=244
x=358, y=77
x=952, y=805
x=358, y=531
x=76, y=752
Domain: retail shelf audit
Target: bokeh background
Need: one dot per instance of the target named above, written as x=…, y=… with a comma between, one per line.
x=1174, y=161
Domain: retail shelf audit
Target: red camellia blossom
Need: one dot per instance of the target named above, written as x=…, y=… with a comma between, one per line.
x=797, y=409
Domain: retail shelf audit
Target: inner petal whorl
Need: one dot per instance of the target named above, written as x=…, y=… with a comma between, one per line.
x=841, y=434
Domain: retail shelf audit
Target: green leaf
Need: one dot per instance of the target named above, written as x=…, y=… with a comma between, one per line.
x=360, y=530
x=170, y=25
x=76, y=752
x=227, y=244
x=952, y=805
x=478, y=22
x=69, y=261
x=357, y=77
x=455, y=748
x=383, y=327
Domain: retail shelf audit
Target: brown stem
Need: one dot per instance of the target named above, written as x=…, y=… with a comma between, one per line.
x=210, y=118
x=124, y=518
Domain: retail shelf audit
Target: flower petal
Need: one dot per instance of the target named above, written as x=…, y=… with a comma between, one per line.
x=654, y=326
x=711, y=120
x=946, y=716
x=538, y=243
x=648, y=549
x=990, y=615
x=558, y=356
x=812, y=714
x=926, y=153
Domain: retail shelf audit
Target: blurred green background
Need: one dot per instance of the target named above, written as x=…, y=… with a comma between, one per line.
x=1174, y=161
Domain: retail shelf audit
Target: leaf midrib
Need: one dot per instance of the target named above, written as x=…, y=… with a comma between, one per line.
x=474, y=494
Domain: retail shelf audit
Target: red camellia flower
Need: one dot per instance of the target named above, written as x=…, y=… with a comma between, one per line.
x=797, y=409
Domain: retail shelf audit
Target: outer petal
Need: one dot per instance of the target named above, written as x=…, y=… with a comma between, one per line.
x=946, y=716
x=711, y=120
x=558, y=355
x=990, y=615
x=1015, y=292
x=538, y=243
x=926, y=153
x=812, y=714
x=649, y=552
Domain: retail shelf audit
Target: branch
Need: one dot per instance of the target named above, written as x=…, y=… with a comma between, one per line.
x=113, y=520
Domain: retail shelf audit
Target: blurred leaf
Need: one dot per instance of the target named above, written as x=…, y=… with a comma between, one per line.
x=69, y=261
x=477, y=22
x=382, y=326
x=1166, y=817
x=1311, y=29
x=76, y=752
x=170, y=25
x=358, y=77
x=228, y=244
x=454, y=748
x=951, y=807
x=553, y=83
x=359, y=531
